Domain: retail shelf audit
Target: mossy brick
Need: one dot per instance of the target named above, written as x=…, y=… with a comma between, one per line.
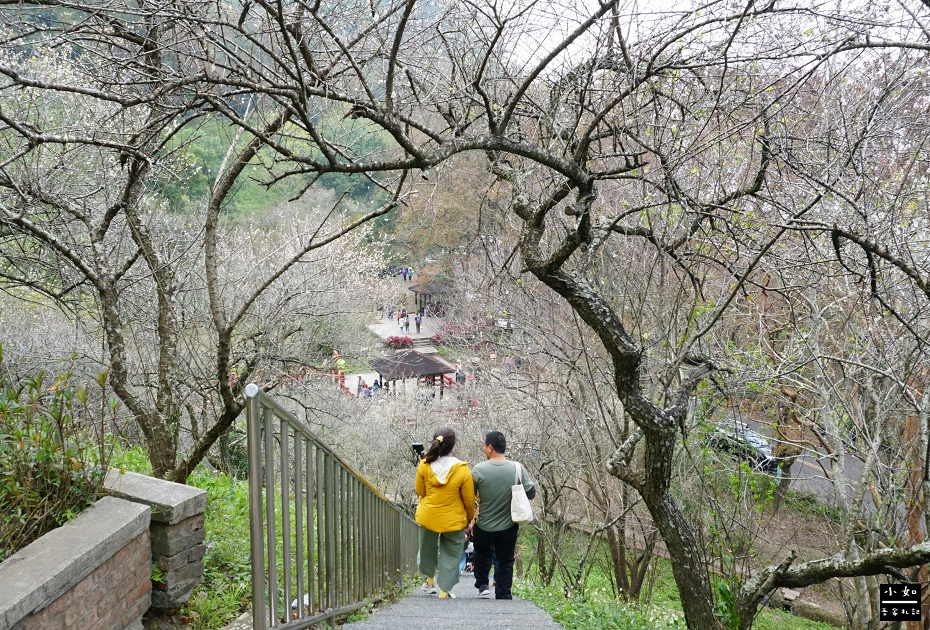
x=168, y=540
x=175, y=595
x=60, y=604
x=109, y=617
x=77, y=615
x=141, y=572
x=41, y=622
x=119, y=575
x=125, y=621
x=192, y=571
x=129, y=551
x=179, y=560
x=94, y=595
x=83, y=587
x=129, y=609
x=170, y=502
x=134, y=567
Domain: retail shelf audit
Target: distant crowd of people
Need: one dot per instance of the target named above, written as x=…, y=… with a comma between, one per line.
x=403, y=318
x=394, y=270
x=426, y=310
x=364, y=390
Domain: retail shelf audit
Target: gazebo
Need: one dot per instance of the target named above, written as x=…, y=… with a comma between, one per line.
x=411, y=364
x=426, y=291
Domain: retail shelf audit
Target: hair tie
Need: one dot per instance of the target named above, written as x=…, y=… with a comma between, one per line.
x=439, y=439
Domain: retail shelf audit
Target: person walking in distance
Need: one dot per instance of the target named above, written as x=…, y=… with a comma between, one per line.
x=447, y=505
x=494, y=529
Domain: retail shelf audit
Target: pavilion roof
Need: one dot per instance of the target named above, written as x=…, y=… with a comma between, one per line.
x=432, y=287
x=409, y=364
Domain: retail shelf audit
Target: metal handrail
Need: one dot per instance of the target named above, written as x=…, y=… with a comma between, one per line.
x=324, y=542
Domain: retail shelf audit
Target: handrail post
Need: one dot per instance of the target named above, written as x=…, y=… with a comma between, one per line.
x=270, y=525
x=256, y=545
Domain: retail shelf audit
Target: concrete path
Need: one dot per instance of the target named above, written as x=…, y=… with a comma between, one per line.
x=385, y=327
x=419, y=611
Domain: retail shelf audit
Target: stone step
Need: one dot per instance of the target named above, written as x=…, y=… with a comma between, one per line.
x=244, y=622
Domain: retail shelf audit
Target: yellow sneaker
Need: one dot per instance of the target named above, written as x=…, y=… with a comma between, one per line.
x=445, y=595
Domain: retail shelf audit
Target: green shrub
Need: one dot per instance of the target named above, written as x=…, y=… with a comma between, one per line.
x=227, y=588
x=51, y=467
x=596, y=611
x=131, y=458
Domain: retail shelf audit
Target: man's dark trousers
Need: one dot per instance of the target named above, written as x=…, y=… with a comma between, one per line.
x=503, y=543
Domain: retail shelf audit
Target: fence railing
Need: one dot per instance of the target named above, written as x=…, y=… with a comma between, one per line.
x=324, y=542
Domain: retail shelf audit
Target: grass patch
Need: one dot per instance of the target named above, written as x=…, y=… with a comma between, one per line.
x=596, y=606
x=594, y=611
x=809, y=504
x=226, y=591
x=132, y=459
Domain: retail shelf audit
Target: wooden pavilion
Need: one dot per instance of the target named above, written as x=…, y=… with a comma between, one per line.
x=411, y=364
x=427, y=294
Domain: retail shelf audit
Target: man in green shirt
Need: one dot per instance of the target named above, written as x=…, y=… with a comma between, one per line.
x=494, y=531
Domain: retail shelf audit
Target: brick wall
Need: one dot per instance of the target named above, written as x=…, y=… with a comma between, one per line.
x=94, y=572
x=113, y=597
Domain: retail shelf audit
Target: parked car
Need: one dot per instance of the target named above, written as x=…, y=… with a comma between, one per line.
x=737, y=439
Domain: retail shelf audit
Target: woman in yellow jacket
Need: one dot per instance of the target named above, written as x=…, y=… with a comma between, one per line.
x=447, y=506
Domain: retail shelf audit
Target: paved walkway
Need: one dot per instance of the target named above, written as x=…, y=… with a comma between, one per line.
x=385, y=327
x=419, y=611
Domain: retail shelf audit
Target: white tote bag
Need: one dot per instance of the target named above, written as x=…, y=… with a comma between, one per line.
x=520, y=510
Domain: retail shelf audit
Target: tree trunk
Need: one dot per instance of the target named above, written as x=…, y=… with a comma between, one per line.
x=659, y=427
x=628, y=567
x=617, y=544
x=691, y=576
x=784, y=484
x=545, y=572
x=914, y=505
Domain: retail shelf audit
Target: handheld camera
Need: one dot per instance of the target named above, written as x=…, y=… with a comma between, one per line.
x=417, y=448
